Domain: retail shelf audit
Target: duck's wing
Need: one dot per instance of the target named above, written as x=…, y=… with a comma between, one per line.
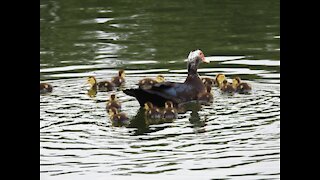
x=158, y=94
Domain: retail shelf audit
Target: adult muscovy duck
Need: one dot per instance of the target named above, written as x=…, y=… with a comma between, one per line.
x=178, y=93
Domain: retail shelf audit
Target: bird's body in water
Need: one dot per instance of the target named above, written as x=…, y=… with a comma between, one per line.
x=241, y=87
x=113, y=102
x=120, y=79
x=206, y=97
x=147, y=83
x=45, y=88
x=118, y=119
x=175, y=92
x=219, y=80
x=151, y=111
x=208, y=81
x=226, y=87
x=100, y=86
x=169, y=111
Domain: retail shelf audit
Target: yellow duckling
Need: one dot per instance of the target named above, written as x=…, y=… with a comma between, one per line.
x=45, y=88
x=151, y=111
x=113, y=102
x=206, y=97
x=241, y=87
x=169, y=111
x=101, y=86
x=120, y=79
x=226, y=87
x=219, y=80
x=147, y=83
x=117, y=118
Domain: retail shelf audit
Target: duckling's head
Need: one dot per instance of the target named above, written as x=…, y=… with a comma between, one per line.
x=160, y=78
x=225, y=82
x=236, y=81
x=91, y=80
x=148, y=106
x=220, y=78
x=113, y=97
x=168, y=104
x=122, y=73
x=113, y=111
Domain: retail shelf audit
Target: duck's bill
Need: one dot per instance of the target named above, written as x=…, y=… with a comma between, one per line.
x=205, y=60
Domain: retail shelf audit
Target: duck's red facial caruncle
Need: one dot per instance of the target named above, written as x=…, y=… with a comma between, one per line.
x=202, y=57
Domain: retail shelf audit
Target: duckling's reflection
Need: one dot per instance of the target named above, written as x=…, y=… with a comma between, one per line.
x=92, y=92
x=139, y=122
x=142, y=123
x=195, y=119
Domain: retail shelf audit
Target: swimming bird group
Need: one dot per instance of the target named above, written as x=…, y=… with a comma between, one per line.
x=161, y=98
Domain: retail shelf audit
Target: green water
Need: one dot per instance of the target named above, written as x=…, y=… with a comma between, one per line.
x=84, y=32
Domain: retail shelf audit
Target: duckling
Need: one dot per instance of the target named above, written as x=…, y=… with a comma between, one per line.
x=219, y=80
x=226, y=87
x=120, y=79
x=101, y=86
x=147, y=83
x=206, y=97
x=45, y=88
x=241, y=87
x=208, y=81
x=117, y=118
x=92, y=92
x=113, y=102
x=169, y=111
x=151, y=111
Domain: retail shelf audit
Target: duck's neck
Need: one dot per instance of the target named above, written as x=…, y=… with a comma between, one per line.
x=193, y=76
x=192, y=69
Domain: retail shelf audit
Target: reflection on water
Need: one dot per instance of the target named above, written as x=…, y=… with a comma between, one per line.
x=234, y=137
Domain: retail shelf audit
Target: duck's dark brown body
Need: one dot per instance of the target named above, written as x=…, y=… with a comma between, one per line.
x=175, y=92
x=178, y=93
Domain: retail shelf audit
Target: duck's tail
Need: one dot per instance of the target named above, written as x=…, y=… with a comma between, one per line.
x=144, y=96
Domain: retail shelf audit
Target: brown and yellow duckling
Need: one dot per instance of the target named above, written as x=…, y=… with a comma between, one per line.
x=208, y=81
x=226, y=87
x=219, y=80
x=206, y=97
x=169, y=112
x=117, y=118
x=45, y=88
x=113, y=102
x=151, y=111
x=147, y=83
x=100, y=86
x=120, y=79
x=241, y=87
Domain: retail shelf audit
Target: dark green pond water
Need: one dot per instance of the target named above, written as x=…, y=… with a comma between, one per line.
x=235, y=137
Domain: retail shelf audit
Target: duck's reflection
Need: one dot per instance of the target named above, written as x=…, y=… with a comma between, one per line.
x=141, y=122
x=194, y=118
x=92, y=92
